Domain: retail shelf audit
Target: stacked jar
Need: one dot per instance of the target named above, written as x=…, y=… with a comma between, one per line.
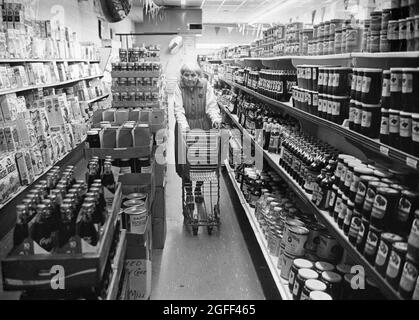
x=305, y=96
x=365, y=107
x=400, y=118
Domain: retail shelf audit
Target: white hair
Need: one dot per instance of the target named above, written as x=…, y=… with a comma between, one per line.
x=191, y=67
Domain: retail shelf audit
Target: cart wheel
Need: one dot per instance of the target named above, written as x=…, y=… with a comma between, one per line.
x=195, y=231
x=209, y=231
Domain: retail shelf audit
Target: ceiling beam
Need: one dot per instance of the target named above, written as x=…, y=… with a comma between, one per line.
x=221, y=5
x=203, y=3
x=241, y=5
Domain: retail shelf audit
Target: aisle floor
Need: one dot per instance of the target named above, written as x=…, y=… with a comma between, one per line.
x=217, y=267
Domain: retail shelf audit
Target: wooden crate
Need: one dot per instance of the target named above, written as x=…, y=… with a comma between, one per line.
x=84, y=270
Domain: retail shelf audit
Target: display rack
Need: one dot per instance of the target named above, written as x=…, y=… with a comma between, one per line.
x=281, y=284
x=390, y=153
x=12, y=61
x=97, y=99
x=41, y=86
x=323, y=217
x=8, y=212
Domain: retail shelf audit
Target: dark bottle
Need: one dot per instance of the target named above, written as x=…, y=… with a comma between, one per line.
x=313, y=171
x=85, y=227
x=92, y=173
x=101, y=203
x=67, y=227
x=93, y=198
x=267, y=136
x=316, y=188
x=108, y=180
x=21, y=231
x=324, y=190
x=43, y=228
x=55, y=209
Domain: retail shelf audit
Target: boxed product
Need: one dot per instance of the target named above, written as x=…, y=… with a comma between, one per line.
x=28, y=161
x=22, y=169
x=3, y=142
x=8, y=105
x=37, y=161
x=138, y=263
x=10, y=142
x=10, y=182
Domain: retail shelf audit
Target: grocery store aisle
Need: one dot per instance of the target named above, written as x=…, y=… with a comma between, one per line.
x=204, y=267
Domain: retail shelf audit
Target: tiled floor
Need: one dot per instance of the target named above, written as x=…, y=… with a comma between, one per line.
x=203, y=267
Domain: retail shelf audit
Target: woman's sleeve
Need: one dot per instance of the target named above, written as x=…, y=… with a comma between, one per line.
x=178, y=108
x=213, y=111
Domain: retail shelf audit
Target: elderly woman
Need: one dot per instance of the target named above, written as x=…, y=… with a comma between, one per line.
x=195, y=104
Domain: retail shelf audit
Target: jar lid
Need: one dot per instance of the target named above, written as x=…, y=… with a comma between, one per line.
x=345, y=156
x=364, y=170
x=303, y=264
x=391, y=237
x=315, y=285
x=351, y=204
x=345, y=198
x=388, y=191
x=308, y=274
x=324, y=266
x=319, y=295
x=300, y=230
x=344, y=268
x=331, y=276
x=92, y=132
x=381, y=174
x=400, y=247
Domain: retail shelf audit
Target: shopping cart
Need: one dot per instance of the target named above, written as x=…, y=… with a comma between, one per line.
x=201, y=180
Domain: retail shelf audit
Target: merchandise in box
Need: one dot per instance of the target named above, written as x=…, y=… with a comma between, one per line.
x=138, y=266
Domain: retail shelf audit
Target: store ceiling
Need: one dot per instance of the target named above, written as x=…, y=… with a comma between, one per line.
x=251, y=11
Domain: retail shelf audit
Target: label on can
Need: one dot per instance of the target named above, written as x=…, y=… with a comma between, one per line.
x=366, y=119
x=369, y=200
x=336, y=109
x=351, y=37
x=405, y=127
x=355, y=227
x=409, y=277
x=415, y=130
x=407, y=83
x=394, y=265
x=366, y=84
x=359, y=82
x=330, y=107
x=404, y=209
x=383, y=251
x=393, y=31
x=402, y=29
x=348, y=178
x=414, y=234
x=358, y=116
x=315, y=100
x=338, y=205
x=352, y=112
x=354, y=82
x=355, y=183
x=332, y=198
x=336, y=80
x=372, y=243
x=396, y=82
x=394, y=123
x=348, y=217
x=384, y=128
x=321, y=79
x=308, y=74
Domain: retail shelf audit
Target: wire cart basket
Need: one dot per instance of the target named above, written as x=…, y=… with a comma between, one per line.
x=201, y=180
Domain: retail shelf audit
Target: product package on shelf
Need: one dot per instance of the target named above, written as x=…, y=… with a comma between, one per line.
x=66, y=224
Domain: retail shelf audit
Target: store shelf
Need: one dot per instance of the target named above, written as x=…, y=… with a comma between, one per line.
x=97, y=99
x=361, y=141
x=7, y=209
x=271, y=261
x=2, y=61
x=323, y=216
x=117, y=267
x=57, y=84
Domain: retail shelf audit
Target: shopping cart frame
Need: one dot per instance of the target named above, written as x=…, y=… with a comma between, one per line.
x=204, y=171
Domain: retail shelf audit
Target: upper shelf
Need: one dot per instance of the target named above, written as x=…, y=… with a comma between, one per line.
x=383, y=60
x=2, y=61
x=9, y=91
x=375, y=146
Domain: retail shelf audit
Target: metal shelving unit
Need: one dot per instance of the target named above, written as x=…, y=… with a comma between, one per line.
x=373, y=145
x=97, y=99
x=271, y=261
x=323, y=217
x=57, y=84
x=46, y=60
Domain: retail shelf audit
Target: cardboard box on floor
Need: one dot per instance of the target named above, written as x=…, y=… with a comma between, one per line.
x=159, y=219
x=138, y=265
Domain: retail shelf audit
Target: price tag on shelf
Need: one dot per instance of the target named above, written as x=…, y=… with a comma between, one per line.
x=384, y=150
x=412, y=162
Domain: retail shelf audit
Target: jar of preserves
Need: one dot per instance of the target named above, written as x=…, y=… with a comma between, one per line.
x=310, y=286
x=302, y=276
x=408, y=279
x=328, y=248
x=319, y=296
x=396, y=263
x=385, y=204
x=408, y=204
x=322, y=266
x=364, y=228
x=413, y=241
x=296, y=266
x=370, y=197
x=371, y=244
x=384, y=250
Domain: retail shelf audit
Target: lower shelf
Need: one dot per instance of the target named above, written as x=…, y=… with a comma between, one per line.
x=271, y=260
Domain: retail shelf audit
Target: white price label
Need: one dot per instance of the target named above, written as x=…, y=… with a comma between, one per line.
x=384, y=150
x=411, y=162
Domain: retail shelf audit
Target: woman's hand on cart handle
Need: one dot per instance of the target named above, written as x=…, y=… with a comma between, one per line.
x=216, y=125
